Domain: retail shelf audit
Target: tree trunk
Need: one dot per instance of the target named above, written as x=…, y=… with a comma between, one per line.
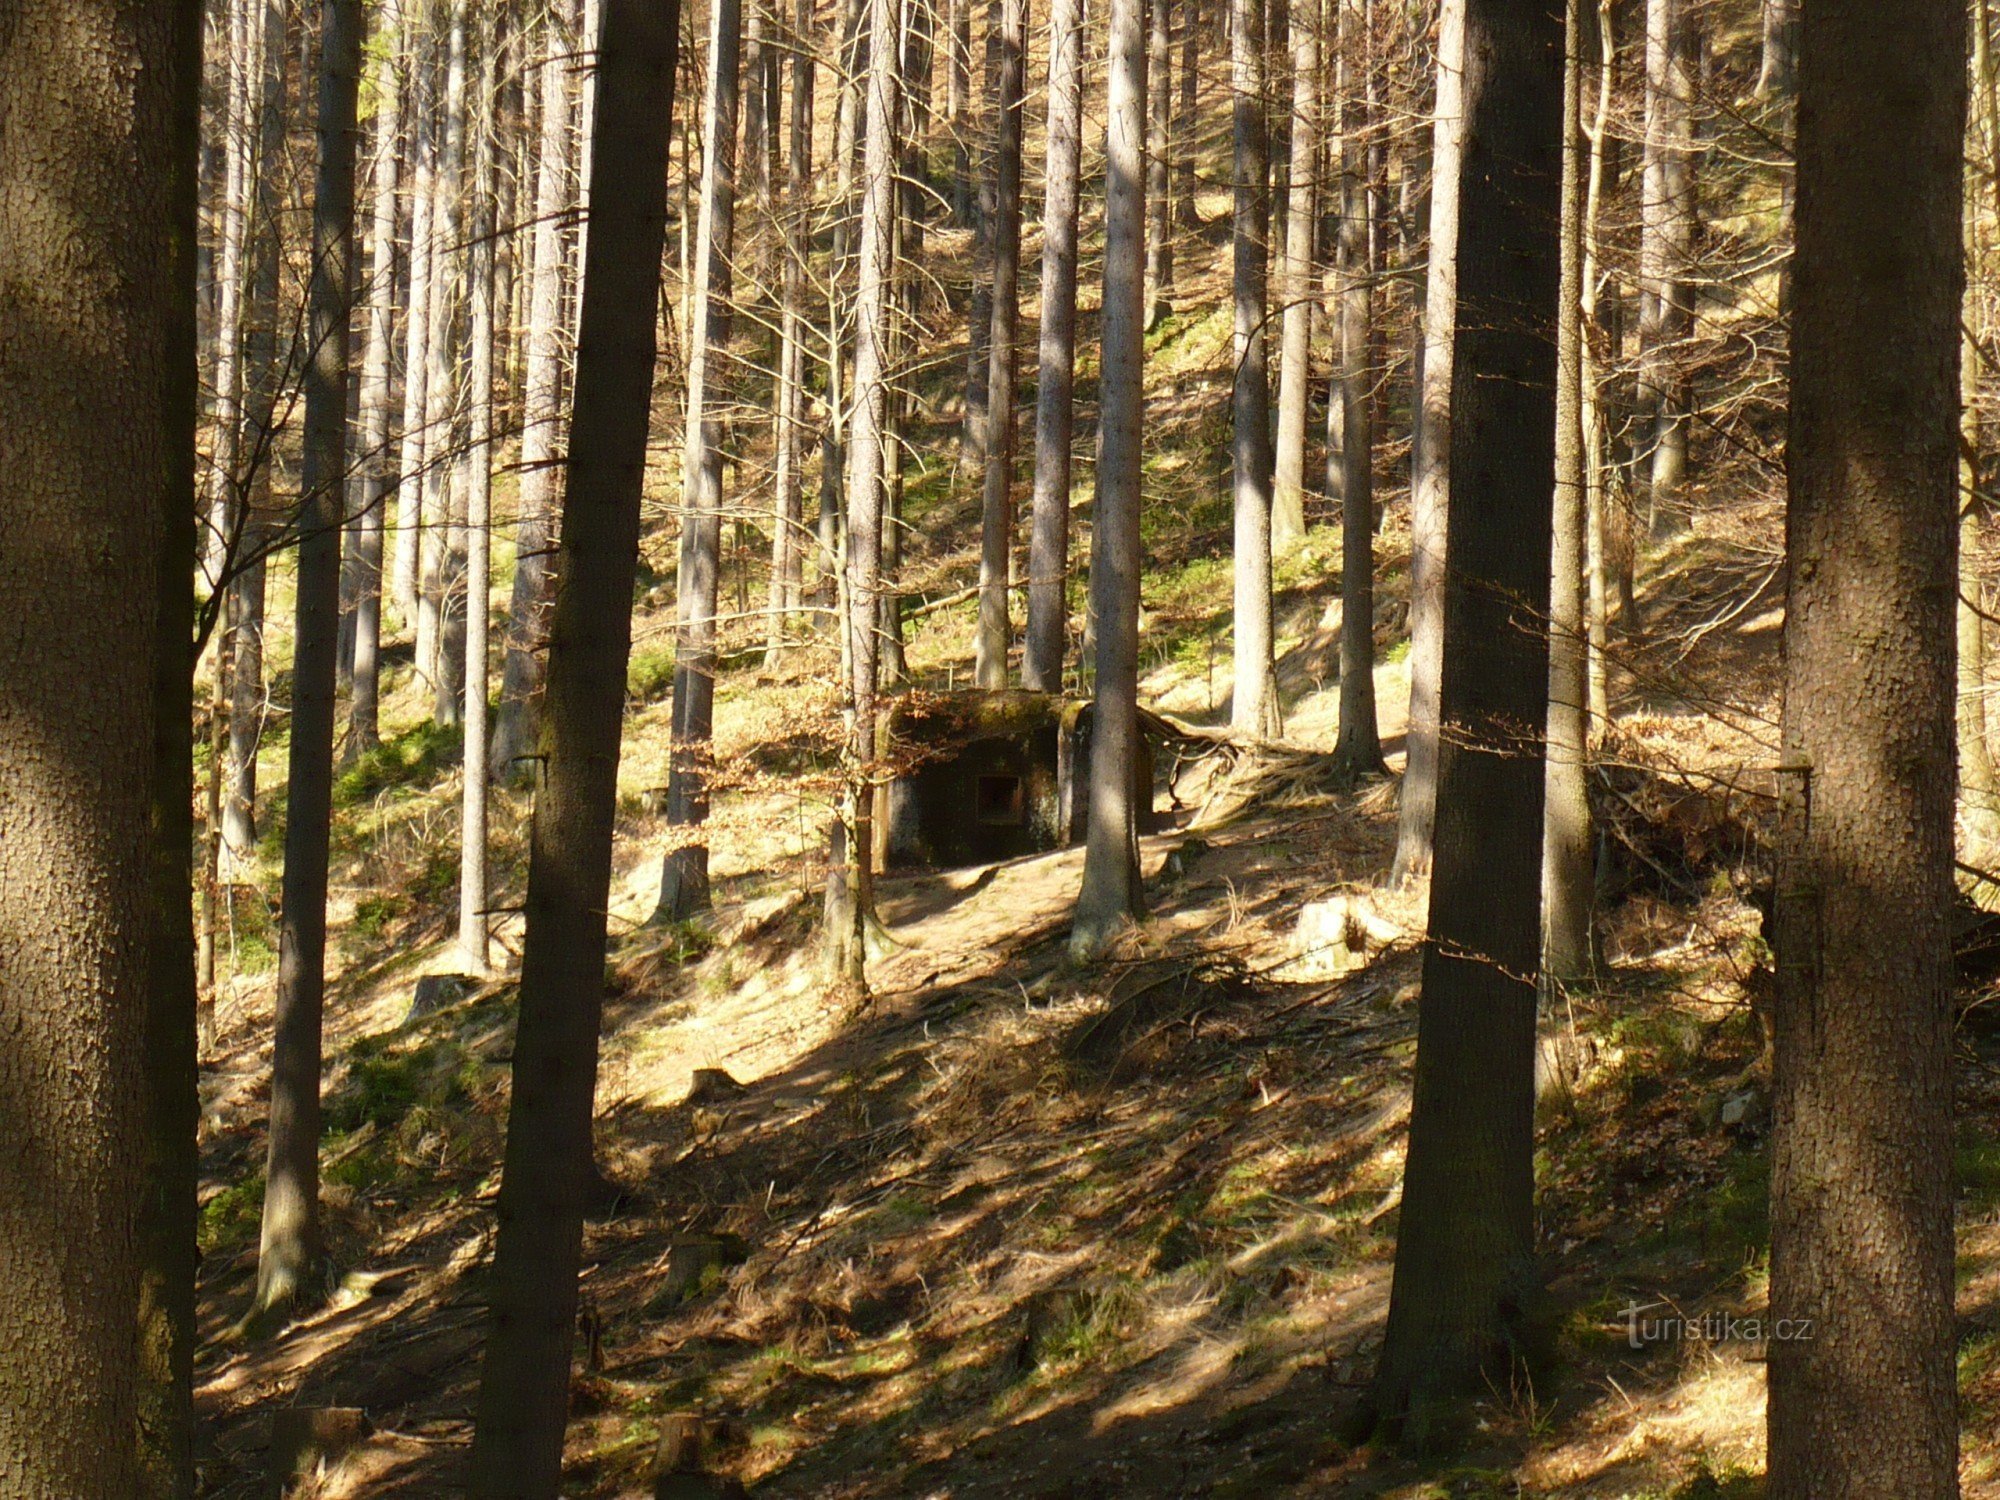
x=289, y=1249
x=1255, y=707
x=524, y=1382
x=1112, y=895
x=1295, y=283
x=1978, y=788
x=1430, y=458
x=170, y=1169
x=958, y=101
x=1568, y=884
x=91, y=149
x=850, y=906
x=1055, y=389
x=996, y=538
x=1463, y=1300
x=684, y=871
x=514, y=730
x=1781, y=22
x=1665, y=257
x=1600, y=320
x=474, y=945
x=1187, y=127
x=1861, y=1164
x=239, y=108
x=440, y=612
x=1159, y=157
x=422, y=87
x=1359, y=748
x=376, y=479
x=788, y=536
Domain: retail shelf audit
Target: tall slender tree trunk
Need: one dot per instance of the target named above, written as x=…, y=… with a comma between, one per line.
x=1568, y=886
x=1861, y=1166
x=524, y=1382
x=262, y=379
x=440, y=615
x=788, y=535
x=410, y=479
x=1430, y=457
x=684, y=872
x=1295, y=283
x=958, y=101
x=1665, y=255
x=242, y=87
x=1187, y=125
x=1055, y=389
x=474, y=945
x=1775, y=72
x=1464, y=1296
x=289, y=1248
x=1255, y=706
x=90, y=150
x=981, y=126
x=850, y=904
x=1978, y=787
x=514, y=729
x=1359, y=748
x=996, y=545
x=171, y=1164
x=376, y=479
x=1159, y=159
x=1112, y=895
x=1599, y=319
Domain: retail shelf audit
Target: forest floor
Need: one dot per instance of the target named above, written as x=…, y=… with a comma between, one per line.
x=1018, y=1229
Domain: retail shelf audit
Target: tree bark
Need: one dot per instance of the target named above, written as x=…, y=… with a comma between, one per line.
x=377, y=479
x=289, y=1248
x=1159, y=158
x=850, y=906
x=996, y=538
x=170, y=1169
x=1600, y=320
x=1055, y=388
x=1568, y=884
x=684, y=871
x=440, y=606
x=524, y=1382
x=1861, y=1165
x=1463, y=1300
x=1359, y=748
x=1430, y=458
x=474, y=945
x=1255, y=705
x=422, y=89
x=514, y=730
x=1112, y=895
x=1665, y=257
x=1295, y=283
x=88, y=358
x=1775, y=72
x=788, y=535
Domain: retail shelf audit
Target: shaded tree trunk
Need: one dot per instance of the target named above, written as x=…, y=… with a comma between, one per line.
x=684, y=871
x=170, y=1170
x=289, y=1249
x=1359, y=748
x=1430, y=457
x=1187, y=127
x=1255, y=707
x=91, y=149
x=1055, y=389
x=1862, y=1145
x=1295, y=283
x=524, y=1381
x=1463, y=1303
x=1112, y=895
x=996, y=545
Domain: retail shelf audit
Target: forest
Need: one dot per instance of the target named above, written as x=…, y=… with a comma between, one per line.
x=958, y=748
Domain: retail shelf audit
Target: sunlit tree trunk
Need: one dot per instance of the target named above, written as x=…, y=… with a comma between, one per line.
x=1112, y=895
x=1048, y=545
x=440, y=599
x=995, y=631
x=1295, y=283
x=1666, y=251
x=684, y=872
x=1159, y=159
x=474, y=944
x=795, y=215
